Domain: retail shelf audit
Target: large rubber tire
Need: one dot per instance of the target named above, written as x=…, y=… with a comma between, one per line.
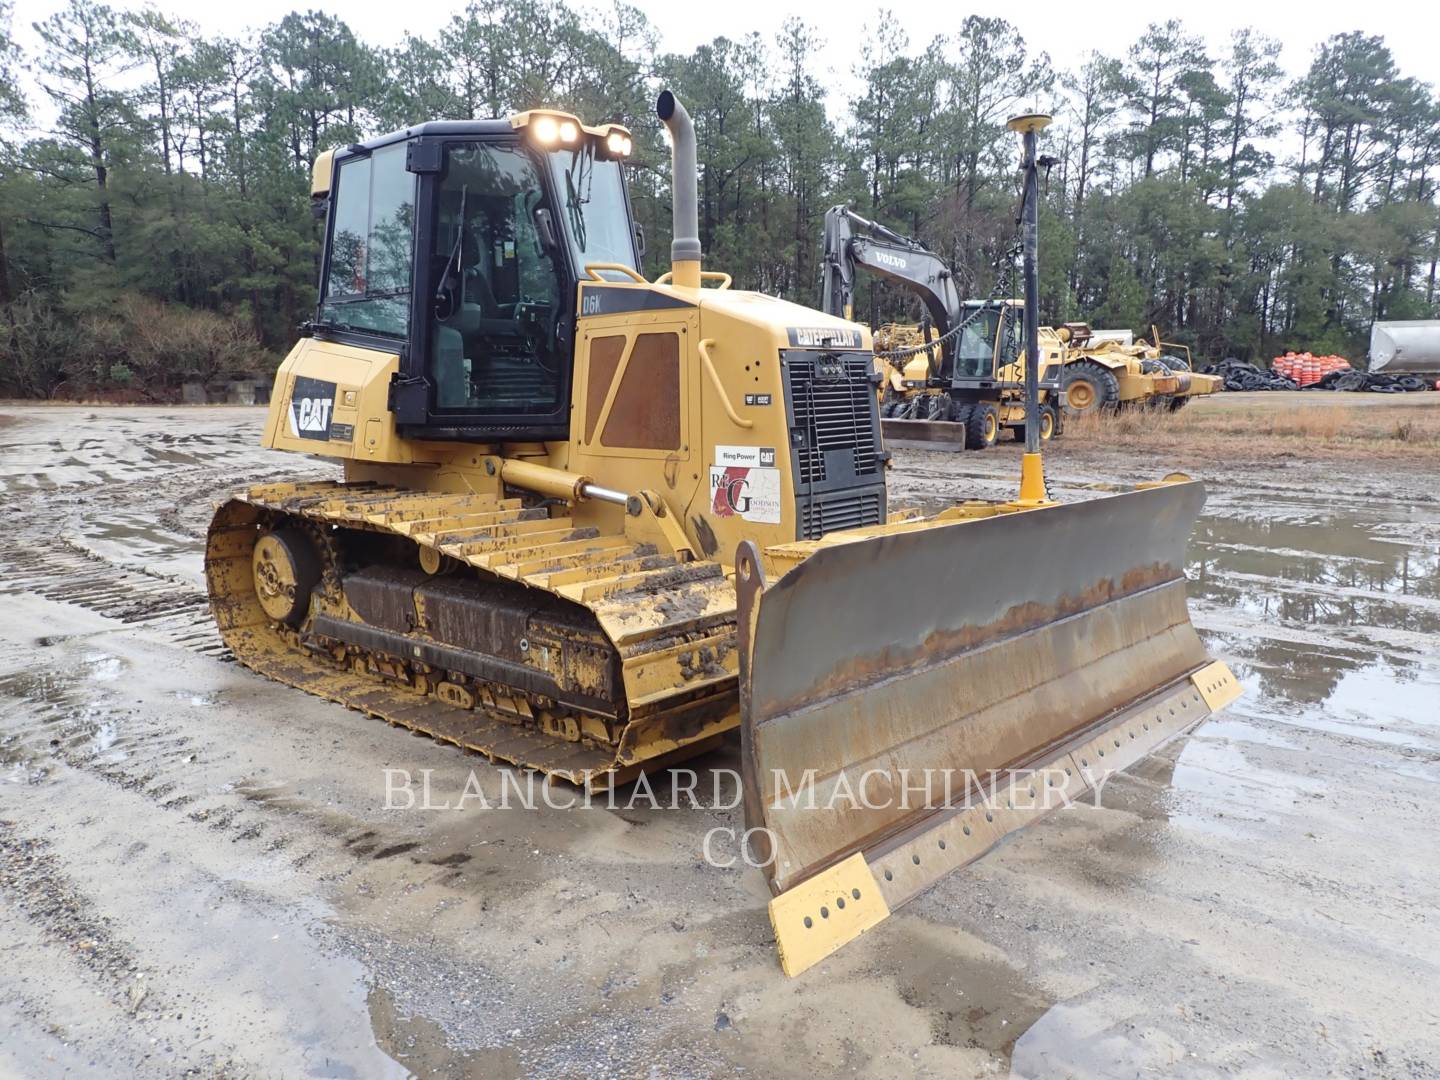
x=935, y=407
x=1098, y=386
x=982, y=426
x=1049, y=424
x=1178, y=403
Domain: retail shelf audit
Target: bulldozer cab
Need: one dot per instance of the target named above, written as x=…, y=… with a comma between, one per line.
x=458, y=246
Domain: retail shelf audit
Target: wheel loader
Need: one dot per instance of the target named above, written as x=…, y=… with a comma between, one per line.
x=590, y=524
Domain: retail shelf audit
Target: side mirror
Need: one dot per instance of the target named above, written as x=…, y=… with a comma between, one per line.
x=545, y=229
x=640, y=239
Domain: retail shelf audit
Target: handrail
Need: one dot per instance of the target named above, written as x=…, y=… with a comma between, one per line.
x=712, y=275
x=735, y=418
x=634, y=275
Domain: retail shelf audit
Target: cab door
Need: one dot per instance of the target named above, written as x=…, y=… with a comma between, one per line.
x=633, y=420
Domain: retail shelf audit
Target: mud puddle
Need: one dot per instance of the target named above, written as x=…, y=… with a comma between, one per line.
x=1293, y=569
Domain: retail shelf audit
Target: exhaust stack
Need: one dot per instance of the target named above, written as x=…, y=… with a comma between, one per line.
x=685, y=247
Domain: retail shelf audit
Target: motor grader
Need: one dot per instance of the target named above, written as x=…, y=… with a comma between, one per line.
x=591, y=523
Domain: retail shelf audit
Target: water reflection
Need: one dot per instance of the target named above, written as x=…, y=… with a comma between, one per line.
x=1335, y=550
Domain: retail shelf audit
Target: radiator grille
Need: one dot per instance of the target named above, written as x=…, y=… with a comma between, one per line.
x=834, y=414
x=834, y=437
x=844, y=511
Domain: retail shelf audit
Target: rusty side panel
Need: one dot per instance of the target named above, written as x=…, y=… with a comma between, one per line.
x=384, y=597
x=645, y=414
x=605, y=353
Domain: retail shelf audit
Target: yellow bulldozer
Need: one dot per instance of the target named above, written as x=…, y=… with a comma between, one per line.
x=591, y=523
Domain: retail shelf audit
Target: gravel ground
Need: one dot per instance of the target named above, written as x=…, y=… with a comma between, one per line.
x=199, y=874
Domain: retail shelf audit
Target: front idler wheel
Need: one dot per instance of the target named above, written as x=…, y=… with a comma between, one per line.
x=286, y=570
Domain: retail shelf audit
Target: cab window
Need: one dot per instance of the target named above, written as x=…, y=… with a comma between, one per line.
x=597, y=221
x=367, y=285
x=494, y=347
x=975, y=354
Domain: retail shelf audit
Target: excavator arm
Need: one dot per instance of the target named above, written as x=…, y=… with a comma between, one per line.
x=852, y=242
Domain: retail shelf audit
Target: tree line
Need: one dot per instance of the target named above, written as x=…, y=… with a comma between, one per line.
x=155, y=227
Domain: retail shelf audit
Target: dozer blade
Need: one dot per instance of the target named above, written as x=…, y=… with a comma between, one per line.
x=910, y=697
x=945, y=435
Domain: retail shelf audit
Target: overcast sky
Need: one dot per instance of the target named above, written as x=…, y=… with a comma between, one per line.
x=1064, y=28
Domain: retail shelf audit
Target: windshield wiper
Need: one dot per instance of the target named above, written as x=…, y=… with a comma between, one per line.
x=574, y=201
x=360, y=298
x=577, y=215
x=452, y=264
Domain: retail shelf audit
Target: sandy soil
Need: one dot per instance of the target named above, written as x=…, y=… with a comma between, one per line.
x=198, y=872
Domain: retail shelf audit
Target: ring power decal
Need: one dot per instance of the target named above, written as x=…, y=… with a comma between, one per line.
x=753, y=456
x=746, y=491
x=312, y=401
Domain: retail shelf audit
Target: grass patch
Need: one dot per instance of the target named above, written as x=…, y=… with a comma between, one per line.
x=1379, y=430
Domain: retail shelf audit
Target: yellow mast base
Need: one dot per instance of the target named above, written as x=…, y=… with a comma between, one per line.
x=1032, y=482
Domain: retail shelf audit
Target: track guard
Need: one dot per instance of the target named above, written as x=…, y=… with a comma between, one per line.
x=1013, y=662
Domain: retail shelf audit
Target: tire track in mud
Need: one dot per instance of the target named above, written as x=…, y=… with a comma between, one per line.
x=33, y=881
x=61, y=571
x=62, y=720
x=76, y=718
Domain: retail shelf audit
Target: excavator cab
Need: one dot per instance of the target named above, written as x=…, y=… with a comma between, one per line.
x=976, y=351
x=459, y=246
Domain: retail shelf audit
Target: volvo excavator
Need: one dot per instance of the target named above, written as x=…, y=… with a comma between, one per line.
x=959, y=377
x=591, y=524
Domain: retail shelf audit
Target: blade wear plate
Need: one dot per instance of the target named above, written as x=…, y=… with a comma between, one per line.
x=833, y=907
x=957, y=648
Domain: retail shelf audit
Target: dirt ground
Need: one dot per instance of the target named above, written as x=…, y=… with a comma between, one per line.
x=198, y=872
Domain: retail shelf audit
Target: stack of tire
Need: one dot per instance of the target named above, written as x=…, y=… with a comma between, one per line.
x=1241, y=375
x=1376, y=382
